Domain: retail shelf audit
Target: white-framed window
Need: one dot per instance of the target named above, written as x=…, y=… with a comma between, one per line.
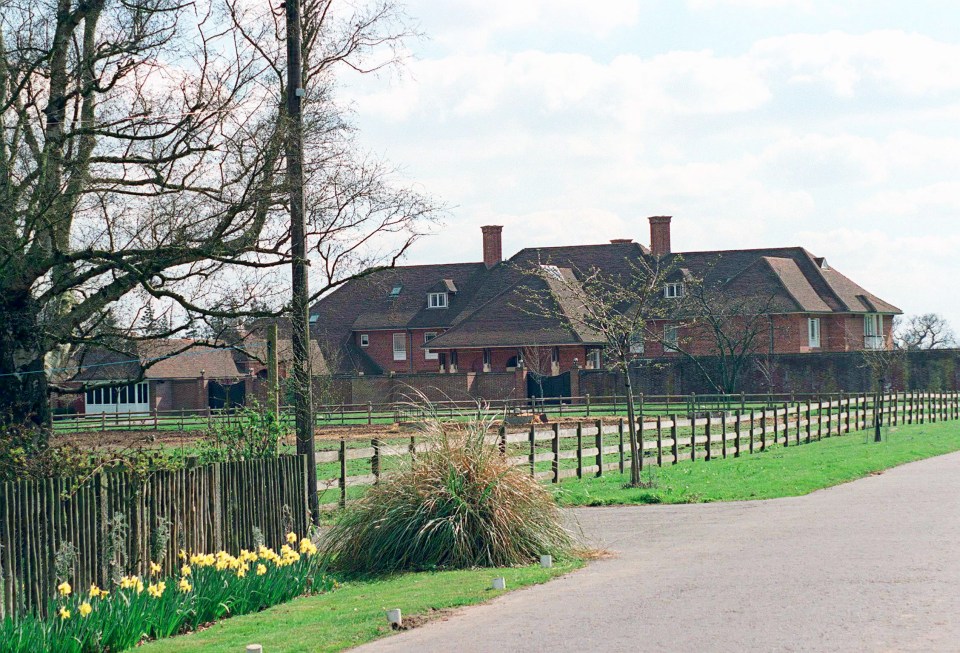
x=437, y=300
x=427, y=354
x=127, y=396
x=671, y=335
x=399, y=346
x=813, y=332
x=593, y=359
x=487, y=360
x=673, y=290
x=873, y=331
x=636, y=343
x=364, y=339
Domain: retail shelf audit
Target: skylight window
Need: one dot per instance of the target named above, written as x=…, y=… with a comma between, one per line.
x=314, y=318
x=396, y=291
x=553, y=271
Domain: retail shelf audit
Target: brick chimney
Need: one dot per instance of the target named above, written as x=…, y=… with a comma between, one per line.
x=660, y=235
x=492, y=245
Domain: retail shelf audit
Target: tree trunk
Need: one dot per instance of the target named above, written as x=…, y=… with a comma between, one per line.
x=23, y=381
x=632, y=422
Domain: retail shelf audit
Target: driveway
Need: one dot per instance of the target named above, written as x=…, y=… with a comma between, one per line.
x=872, y=565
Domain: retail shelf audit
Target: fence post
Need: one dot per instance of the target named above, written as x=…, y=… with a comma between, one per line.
x=640, y=433
x=533, y=450
x=620, y=433
x=820, y=418
x=599, y=448
x=375, y=460
x=809, y=423
x=693, y=436
x=674, y=435
x=579, y=451
x=588, y=404
x=556, y=451
x=776, y=427
x=723, y=432
x=736, y=427
x=659, y=441
x=763, y=429
x=502, y=440
x=342, y=458
x=709, y=455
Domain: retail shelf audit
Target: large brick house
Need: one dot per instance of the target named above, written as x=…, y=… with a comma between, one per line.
x=464, y=317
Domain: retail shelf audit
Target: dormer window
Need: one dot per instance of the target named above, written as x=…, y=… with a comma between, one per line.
x=673, y=290
x=437, y=300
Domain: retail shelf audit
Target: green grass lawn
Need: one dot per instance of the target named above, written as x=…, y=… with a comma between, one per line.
x=354, y=613
x=778, y=472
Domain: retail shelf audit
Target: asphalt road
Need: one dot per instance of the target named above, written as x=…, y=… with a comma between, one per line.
x=872, y=565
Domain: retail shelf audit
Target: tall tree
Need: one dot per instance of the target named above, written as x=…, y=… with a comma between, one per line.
x=141, y=151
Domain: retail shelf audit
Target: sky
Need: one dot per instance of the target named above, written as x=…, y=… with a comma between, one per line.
x=754, y=123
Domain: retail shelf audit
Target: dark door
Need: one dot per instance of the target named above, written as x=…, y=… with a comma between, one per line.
x=548, y=387
x=222, y=396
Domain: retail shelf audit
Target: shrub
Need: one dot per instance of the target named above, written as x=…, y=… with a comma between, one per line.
x=250, y=433
x=459, y=504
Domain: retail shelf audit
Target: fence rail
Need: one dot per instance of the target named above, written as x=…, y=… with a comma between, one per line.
x=583, y=448
x=414, y=410
x=204, y=509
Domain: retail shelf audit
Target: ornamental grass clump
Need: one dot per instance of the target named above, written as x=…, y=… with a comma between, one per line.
x=459, y=504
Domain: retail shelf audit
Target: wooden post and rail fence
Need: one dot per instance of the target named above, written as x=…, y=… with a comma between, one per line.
x=219, y=506
x=579, y=448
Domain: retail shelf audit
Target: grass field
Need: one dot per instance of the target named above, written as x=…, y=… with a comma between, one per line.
x=778, y=472
x=354, y=613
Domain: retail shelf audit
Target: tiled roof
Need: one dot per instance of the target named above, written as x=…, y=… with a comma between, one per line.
x=486, y=304
x=160, y=359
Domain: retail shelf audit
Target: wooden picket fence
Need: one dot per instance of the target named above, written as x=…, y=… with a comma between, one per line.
x=591, y=448
x=114, y=520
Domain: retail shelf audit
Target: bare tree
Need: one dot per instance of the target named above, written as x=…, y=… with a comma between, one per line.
x=722, y=330
x=927, y=331
x=142, y=159
x=610, y=308
x=538, y=361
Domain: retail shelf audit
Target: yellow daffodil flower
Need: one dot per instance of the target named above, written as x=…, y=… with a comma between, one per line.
x=292, y=538
x=185, y=570
x=261, y=570
x=155, y=568
x=64, y=613
x=185, y=585
x=64, y=588
x=85, y=609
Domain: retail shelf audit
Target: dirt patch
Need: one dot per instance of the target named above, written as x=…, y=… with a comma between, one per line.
x=417, y=620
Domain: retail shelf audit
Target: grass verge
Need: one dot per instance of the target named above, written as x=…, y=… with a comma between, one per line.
x=354, y=613
x=778, y=472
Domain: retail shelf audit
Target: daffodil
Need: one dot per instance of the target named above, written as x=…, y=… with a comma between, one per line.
x=185, y=585
x=185, y=570
x=64, y=613
x=156, y=589
x=292, y=538
x=95, y=591
x=182, y=555
x=155, y=568
x=261, y=570
x=64, y=588
x=85, y=609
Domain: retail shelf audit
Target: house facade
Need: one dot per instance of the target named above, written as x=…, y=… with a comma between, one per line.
x=159, y=376
x=471, y=317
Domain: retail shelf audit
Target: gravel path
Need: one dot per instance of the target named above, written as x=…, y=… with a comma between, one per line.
x=872, y=565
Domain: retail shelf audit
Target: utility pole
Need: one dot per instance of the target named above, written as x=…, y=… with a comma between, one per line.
x=273, y=371
x=299, y=319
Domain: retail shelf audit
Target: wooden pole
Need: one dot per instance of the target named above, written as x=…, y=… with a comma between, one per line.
x=273, y=371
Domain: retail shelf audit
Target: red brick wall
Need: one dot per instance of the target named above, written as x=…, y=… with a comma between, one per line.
x=838, y=333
